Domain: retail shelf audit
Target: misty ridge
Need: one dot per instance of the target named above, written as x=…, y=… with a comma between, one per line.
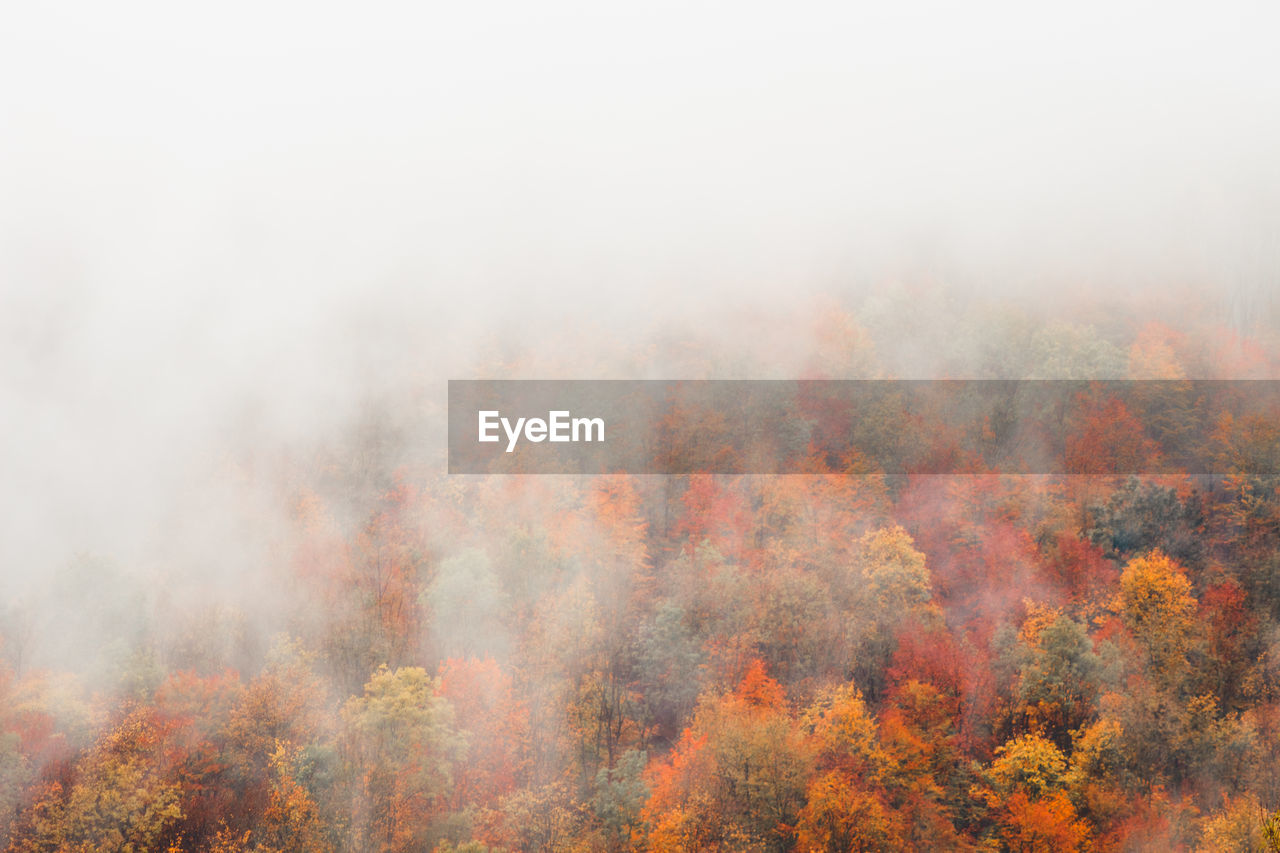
x=569, y=640
x=243, y=608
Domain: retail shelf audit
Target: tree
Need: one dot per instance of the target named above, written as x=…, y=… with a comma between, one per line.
x=292, y=822
x=537, y=819
x=1247, y=451
x=840, y=817
x=465, y=606
x=1046, y=825
x=928, y=776
x=119, y=801
x=1027, y=788
x=1156, y=604
x=1060, y=680
x=844, y=734
x=736, y=779
x=403, y=749
x=620, y=794
x=895, y=589
x=1238, y=826
x=1066, y=351
x=1029, y=764
x=1138, y=518
x=15, y=776
x=669, y=677
x=1105, y=438
x=493, y=719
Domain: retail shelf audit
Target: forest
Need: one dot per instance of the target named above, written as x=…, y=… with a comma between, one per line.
x=841, y=660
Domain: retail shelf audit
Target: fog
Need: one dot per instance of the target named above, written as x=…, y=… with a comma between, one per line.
x=226, y=234
x=243, y=247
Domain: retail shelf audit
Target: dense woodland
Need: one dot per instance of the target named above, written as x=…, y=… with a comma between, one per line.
x=821, y=662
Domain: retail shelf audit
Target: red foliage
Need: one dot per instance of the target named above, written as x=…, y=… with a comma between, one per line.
x=713, y=514
x=757, y=690
x=487, y=708
x=1078, y=567
x=1109, y=439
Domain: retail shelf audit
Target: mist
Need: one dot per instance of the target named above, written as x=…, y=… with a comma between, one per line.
x=239, y=248
x=283, y=210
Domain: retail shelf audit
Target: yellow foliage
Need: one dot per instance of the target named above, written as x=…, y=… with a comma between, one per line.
x=1029, y=764
x=845, y=732
x=839, y=816
x=1237, y=827
x=1156, y=604
x=1039, y=617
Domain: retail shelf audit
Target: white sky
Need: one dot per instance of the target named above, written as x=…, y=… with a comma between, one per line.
x=259, y=201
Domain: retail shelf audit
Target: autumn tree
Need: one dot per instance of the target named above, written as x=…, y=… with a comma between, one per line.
x=493, y=719
x=841, y=817
x=895, y=588
x=618, y=801
x=1027, y=787
x=1144, y=517
x=736, y=779
x=846, y=807
x=1107, y=439
x=117, y=800
x=1059, y=681
x=402, y=749
x=1156, y=604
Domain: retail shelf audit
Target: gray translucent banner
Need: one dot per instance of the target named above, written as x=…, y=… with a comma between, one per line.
x=1109, y=427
